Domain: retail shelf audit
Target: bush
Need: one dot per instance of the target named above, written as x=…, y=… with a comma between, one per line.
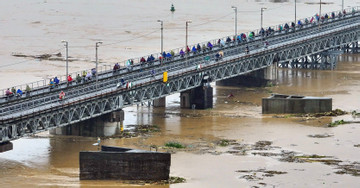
x=174, y=145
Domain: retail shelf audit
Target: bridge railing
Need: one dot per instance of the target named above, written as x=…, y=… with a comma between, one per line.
x=108, y=68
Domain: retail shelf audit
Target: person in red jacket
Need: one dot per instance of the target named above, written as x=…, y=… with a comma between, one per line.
x=69, y=78
x=61, y=95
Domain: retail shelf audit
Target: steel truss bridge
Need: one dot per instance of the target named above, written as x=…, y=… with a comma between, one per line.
x=313, y=45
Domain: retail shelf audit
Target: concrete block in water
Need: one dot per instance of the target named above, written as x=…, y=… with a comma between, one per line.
x=287, y=104
x=116, y=163
x=7, y=146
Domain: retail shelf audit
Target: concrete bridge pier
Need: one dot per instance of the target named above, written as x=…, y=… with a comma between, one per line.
x=105, y=125
x=197, y=98
x=354, y=47
x=160, y=102
x=258, y=78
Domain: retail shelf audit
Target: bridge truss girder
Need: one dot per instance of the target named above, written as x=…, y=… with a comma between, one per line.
x=317, y=54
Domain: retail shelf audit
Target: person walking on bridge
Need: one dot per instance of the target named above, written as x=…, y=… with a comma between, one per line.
x=69, y=78
x=93, y=71
x=78, y=78
x=187, y=49
x=204, y=47
x=182, y=53
x=28, y=89
x=8, y=92
x=56, y=80
x=88, y=76
x=13, y=90
x=61, y=95
x=19, y=93
x=266, y=44
x=51, y=84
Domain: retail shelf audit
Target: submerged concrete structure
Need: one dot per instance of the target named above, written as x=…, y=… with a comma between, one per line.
x=288, y=104
x=7, y=146
x=116, y=163
x=197, y=98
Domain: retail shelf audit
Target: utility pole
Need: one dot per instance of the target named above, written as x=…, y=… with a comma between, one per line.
x=162, y=39
x=67, y=59
x=96, y=61
x=295, y=17
x=320, y=16
x=186, y=38
x=235, y=8
x=262, y=10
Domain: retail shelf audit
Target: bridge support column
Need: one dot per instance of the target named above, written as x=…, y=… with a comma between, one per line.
x=161, y=102
x=355, y=47
x=99, y=126
x=197, y=98
x=117, y=116
x=258, y=78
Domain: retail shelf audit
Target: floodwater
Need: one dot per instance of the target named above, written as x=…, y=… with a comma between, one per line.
x=129, y=29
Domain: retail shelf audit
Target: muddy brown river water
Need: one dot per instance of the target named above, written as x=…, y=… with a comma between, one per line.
x=259, y=150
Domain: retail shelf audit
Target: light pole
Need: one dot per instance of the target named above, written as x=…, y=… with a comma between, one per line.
x=295, y=17
x=162, y=29
x=235, y=8
x=67, y=58
x=262, y=10
x=320, y=16
x=186, y=38
x=342, y=5
x=96, y=61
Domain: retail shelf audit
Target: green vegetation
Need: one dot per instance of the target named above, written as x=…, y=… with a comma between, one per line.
x=336, y=123
x=173, y=180
x=311, y=156
x=224, y=142
x=174, y=145
x=355, y=113
x=270, y=84
x=289, y=115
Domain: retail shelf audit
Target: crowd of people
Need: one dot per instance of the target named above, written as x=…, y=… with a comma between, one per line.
x=17, y=93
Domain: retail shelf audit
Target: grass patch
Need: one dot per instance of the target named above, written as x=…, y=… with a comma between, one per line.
x=224, y=142
x=270, y=84
x=174, y=145
x=311, y=156
x=355, y=113
x=336, y=123
x=173, y=180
